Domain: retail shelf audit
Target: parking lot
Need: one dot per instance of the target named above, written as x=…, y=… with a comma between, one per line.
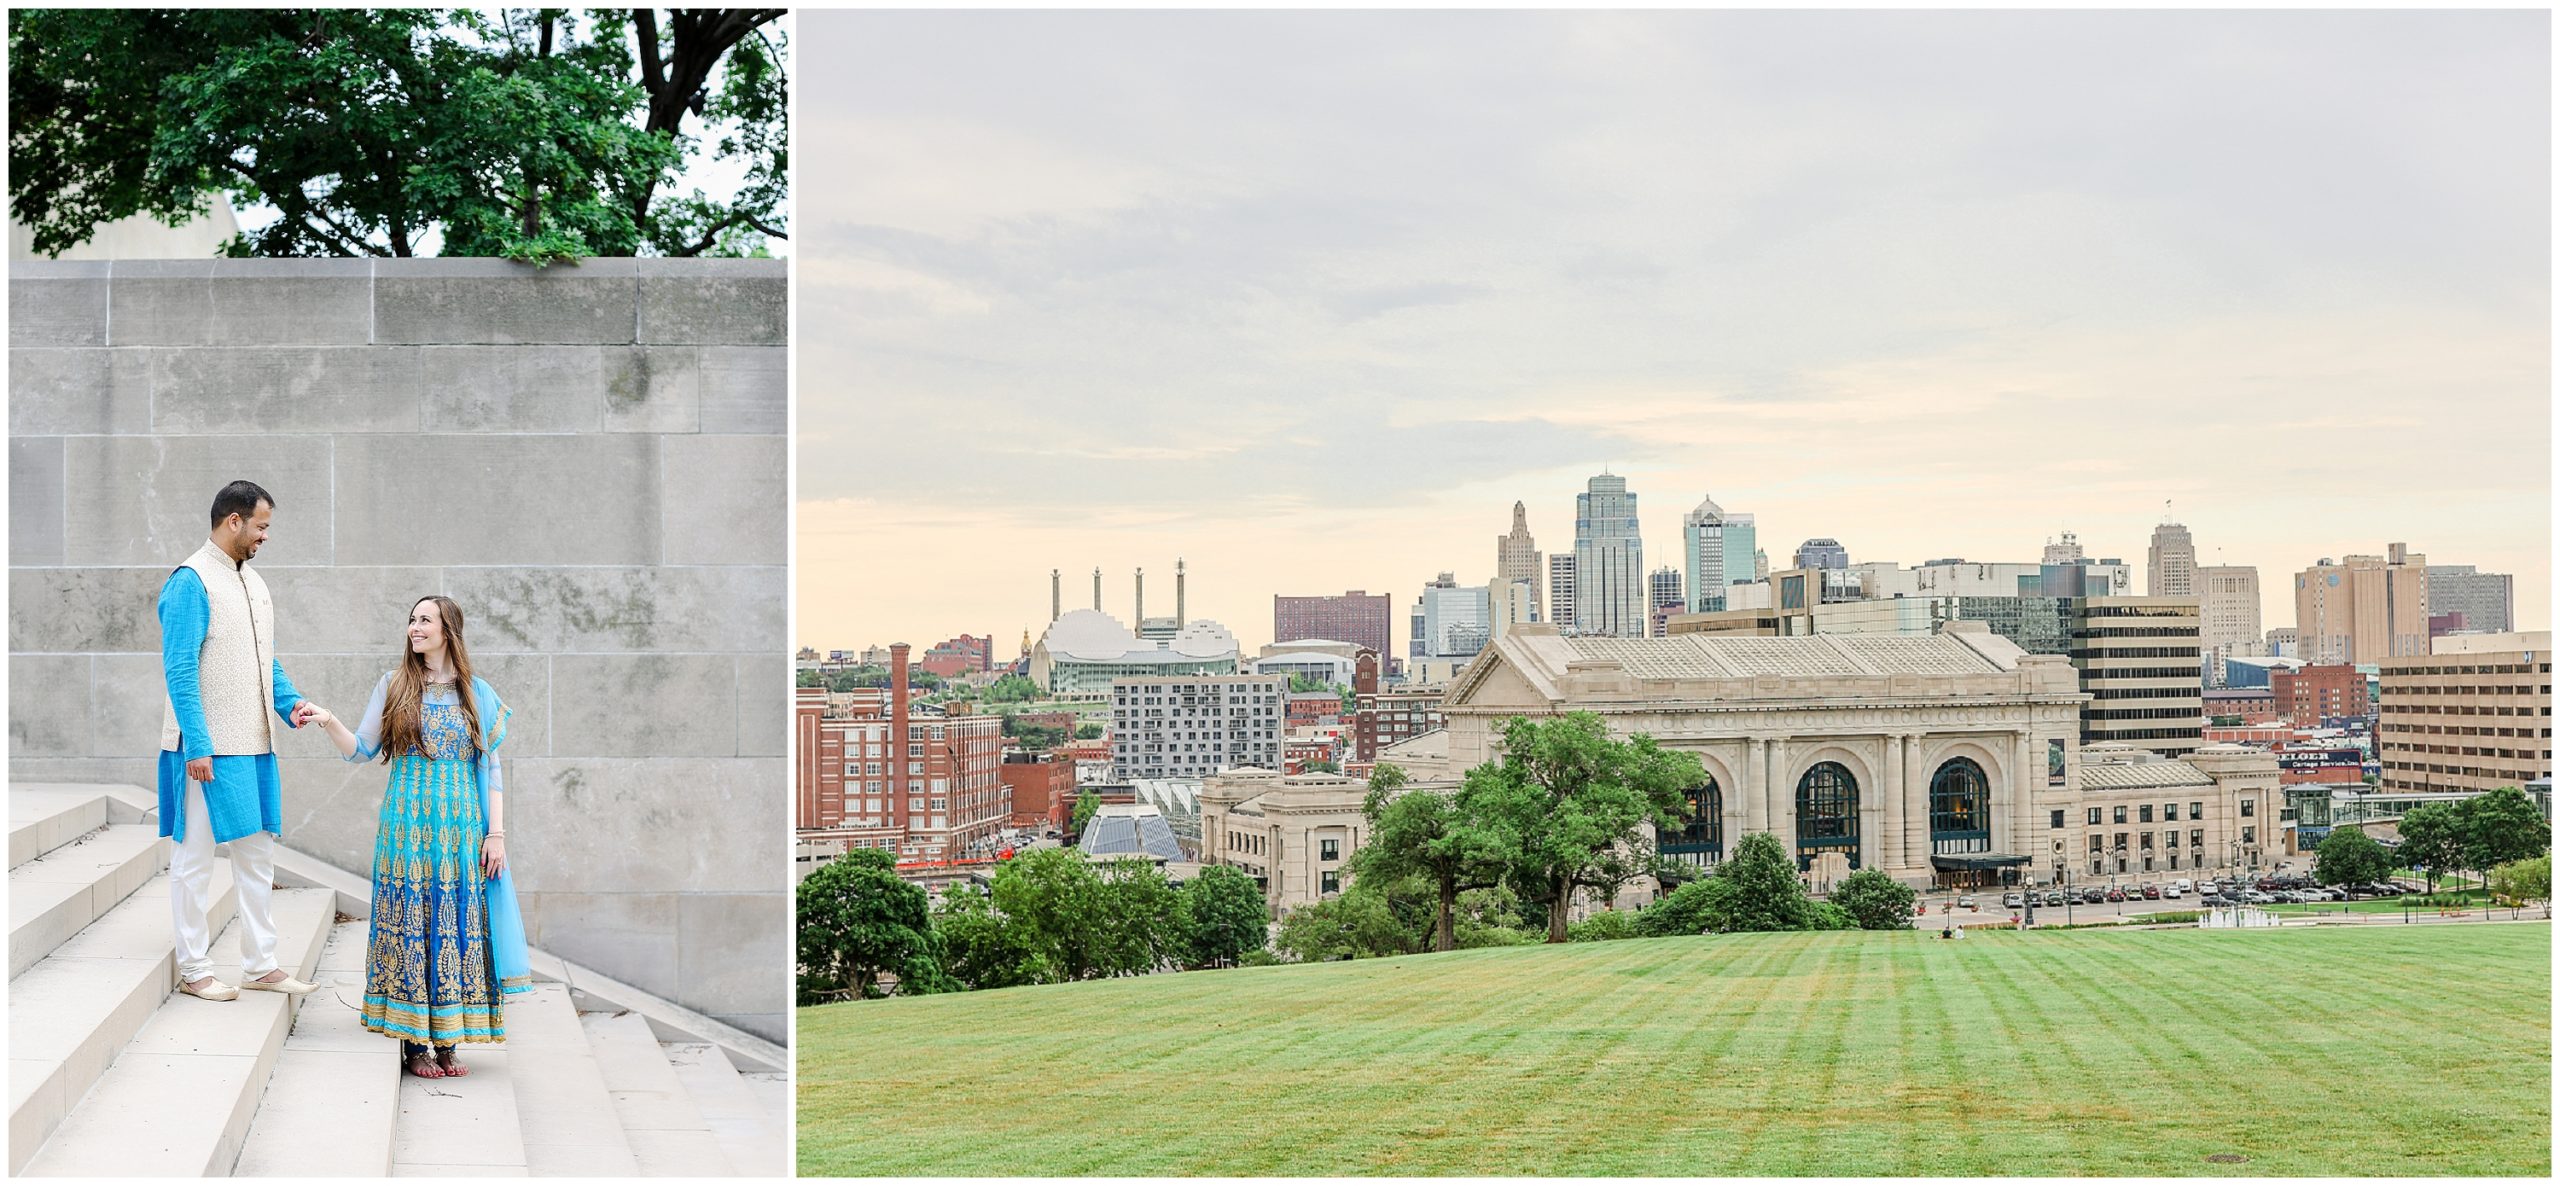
x=1988, y=904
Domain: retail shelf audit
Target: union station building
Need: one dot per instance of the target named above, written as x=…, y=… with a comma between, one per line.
x=1945, y=760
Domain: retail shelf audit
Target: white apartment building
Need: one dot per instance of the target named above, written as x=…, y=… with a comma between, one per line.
x=1193, y=726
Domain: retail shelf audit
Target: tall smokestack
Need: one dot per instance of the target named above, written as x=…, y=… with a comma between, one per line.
x=1053, y=595
x=898, y=749
x=1142, y=600
x=1177, y=593
x=1097, y=590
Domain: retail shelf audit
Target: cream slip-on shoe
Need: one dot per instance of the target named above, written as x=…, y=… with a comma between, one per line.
x=288, y=985
x=216, y=991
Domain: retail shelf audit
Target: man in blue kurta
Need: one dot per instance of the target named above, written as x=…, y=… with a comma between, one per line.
x=218, y=780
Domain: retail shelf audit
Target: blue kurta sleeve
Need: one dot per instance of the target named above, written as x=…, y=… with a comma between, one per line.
x=286, y=697
x=495, y=712
x=185, y=615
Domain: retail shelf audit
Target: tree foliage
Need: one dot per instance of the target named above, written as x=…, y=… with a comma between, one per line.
x=535, y=134
x=1756, y=889
x=1083, y=921
x=2501, y=826
x=1011, y=689
x=859, y=923
x=2346, y=856
x=2431, y=839
x=1088, y=731
x=1422, y=834
x=1086, y=804
x=2522, y=881
x=1875, y=902
x=983, y=949
x=1565, y=806
x=1223, y=917
x=1353, y=924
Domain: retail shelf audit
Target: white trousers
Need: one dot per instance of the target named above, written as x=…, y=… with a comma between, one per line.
x=253, y=872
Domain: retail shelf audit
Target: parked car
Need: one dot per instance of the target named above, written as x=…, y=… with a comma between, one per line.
x=2208, y=888
x=2183, y=885
x=1966, y=902
x=2093, y=895
x=2172, y=893
x=2115, y=893
x=2216, y=900
x=2055, y=898
x=2013, y=900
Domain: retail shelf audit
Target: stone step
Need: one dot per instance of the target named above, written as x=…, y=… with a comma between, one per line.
x=668, y=1135
x=334, y=1101
x=738, y=1120
x=469, y=1127
x=55, y=895
x=772, y=1092
x=178, y=1100
x=571, y=1126
x=72, y=1012
x=42, y=819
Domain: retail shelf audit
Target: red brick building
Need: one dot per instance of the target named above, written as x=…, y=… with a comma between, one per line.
x=872, y=774
x=1309, y=710
x=952, y=656
x=1357, y=617
x=1385, y=718
x=1042, y=790
x=2313, y=694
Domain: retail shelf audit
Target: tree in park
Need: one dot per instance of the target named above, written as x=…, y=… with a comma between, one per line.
x=1565, y=805
x=859, y=923
x=1082, y=921
x=2522, y=881
x=535, y=134
x=2431, y=839
x=2349, y=857
x=1756, y=889
x=1086, y=804
x=1420, y=833
x=980, y=948
x=1223, y=917
x=1875, y=902
x=1353, y=924
x=2501, y=826
x=1143, y=927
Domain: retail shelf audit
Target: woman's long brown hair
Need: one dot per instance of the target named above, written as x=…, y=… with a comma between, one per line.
x=403, y=709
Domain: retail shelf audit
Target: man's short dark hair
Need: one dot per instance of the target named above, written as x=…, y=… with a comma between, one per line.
x=239, y=498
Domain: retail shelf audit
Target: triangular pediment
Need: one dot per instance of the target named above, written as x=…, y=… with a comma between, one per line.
x=1496, y=682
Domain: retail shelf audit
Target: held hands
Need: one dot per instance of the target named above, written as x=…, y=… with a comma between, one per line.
x=306, y=713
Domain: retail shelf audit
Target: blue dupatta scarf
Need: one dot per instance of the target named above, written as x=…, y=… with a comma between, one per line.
x=506, y=920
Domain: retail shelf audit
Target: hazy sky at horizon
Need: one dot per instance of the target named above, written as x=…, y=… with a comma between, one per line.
x=1309, y=299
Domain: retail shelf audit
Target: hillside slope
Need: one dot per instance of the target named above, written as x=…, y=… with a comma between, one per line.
x=2304, y=1051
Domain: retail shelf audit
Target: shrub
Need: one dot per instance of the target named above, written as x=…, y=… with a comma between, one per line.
x=1683, y=911
x=1608, y=924
x=1876, y=902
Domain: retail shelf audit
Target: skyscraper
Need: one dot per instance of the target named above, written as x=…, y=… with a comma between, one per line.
x=2173, y=562
x=2229, y=597
x=1702, y=555
x=1822, y=552
x=1358, y=617
x=1515, y=557
x=2065, y=552
x=1608, y=560
x=1560, y=599
x=2486, y=600
x=1743, y=562
x=2364, y=610
x=1662, y=598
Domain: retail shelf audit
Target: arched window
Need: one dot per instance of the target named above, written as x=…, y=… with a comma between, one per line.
x=1827, y=812
x=1959, y=808
x=1700, y=840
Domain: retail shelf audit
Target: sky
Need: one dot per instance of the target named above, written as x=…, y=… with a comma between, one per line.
x=1308, y=300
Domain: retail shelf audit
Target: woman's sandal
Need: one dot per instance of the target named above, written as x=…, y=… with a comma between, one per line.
x=450, y=1060
x=425, y=1066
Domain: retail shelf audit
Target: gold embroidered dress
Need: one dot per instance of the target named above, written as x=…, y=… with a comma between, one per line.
x=431, y=975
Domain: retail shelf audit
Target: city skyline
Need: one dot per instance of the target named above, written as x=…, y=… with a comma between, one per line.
x=1821, y=267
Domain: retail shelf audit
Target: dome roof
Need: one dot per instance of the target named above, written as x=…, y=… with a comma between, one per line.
x=1088, y=634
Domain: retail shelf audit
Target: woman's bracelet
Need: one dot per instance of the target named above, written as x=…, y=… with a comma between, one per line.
x=499, y=835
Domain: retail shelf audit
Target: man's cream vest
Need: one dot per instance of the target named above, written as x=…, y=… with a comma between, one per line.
x=236, y=669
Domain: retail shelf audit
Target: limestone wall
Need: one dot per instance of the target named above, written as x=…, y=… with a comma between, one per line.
x=589, y=459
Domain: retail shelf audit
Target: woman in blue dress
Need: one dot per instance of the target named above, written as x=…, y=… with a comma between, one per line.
x=446, y=942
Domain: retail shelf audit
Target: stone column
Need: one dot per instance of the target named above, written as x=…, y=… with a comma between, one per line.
x=1871, y=825
x=1782, y=795
x=1736, y=797
x=1915, y=805
x=1753, y=794
x=1896, y=857
x=2028, y=776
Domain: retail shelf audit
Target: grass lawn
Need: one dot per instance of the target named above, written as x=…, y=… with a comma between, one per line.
x=2309, y=1052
